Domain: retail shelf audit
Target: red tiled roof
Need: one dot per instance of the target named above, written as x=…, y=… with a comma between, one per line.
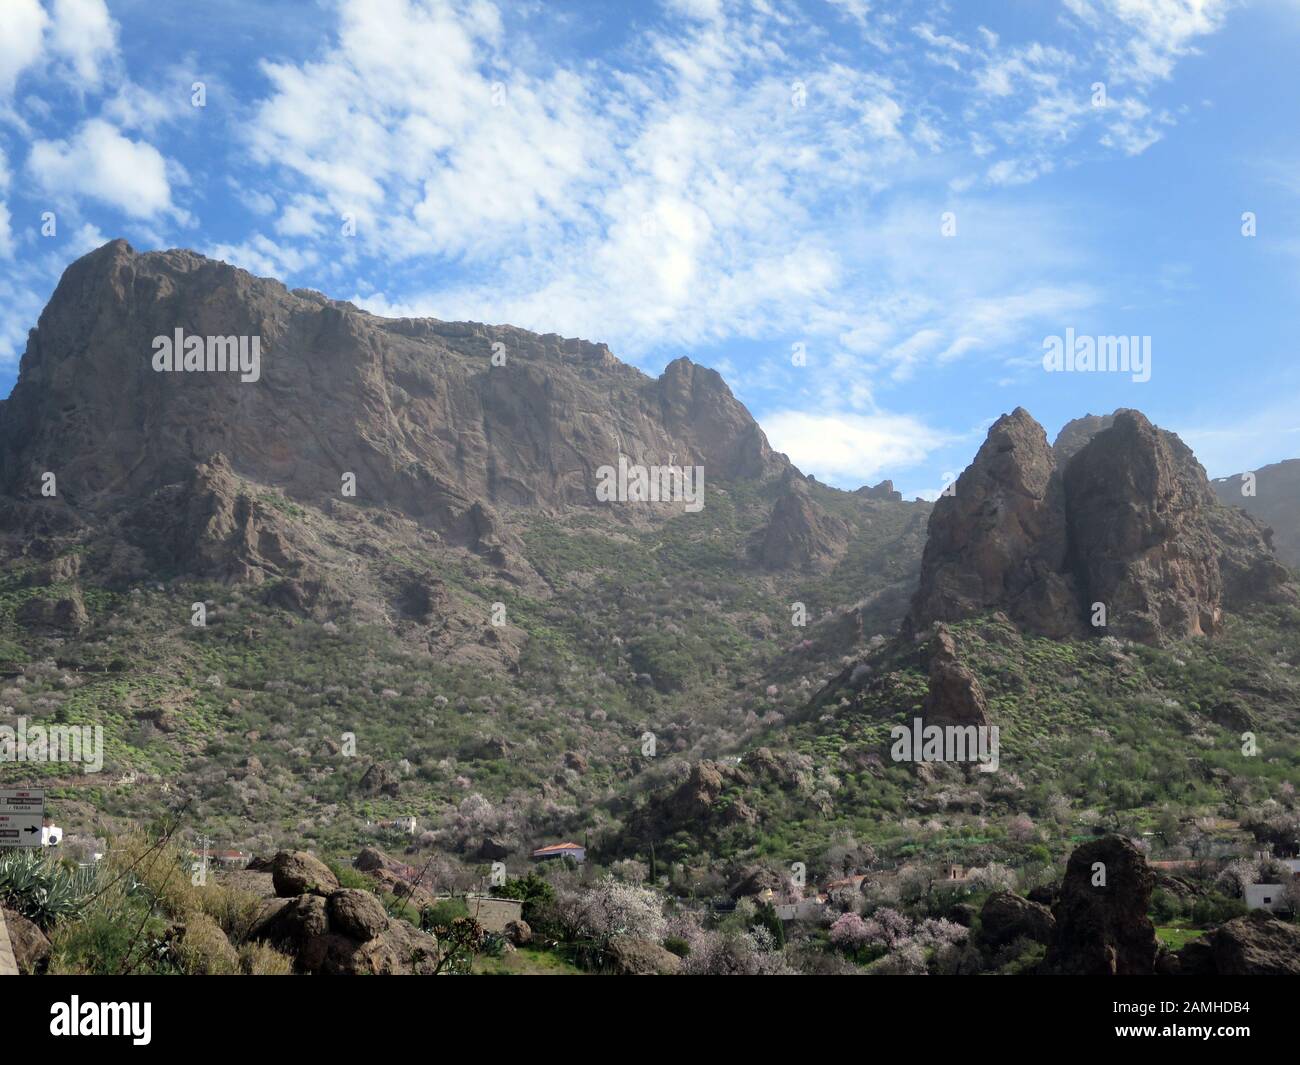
x=559, y=847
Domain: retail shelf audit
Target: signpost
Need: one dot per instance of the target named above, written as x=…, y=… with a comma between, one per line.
x=22, y=812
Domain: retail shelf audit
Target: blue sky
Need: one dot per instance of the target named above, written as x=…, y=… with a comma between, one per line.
x=734, y=180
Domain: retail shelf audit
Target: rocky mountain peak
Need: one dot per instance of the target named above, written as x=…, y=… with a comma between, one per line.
x=997, y=539
x=1117, y=519
x=145, y=367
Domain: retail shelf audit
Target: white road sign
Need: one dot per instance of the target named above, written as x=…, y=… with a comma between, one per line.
x=22, y=811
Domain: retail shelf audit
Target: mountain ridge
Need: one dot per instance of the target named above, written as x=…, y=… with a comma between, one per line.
x=499, y=643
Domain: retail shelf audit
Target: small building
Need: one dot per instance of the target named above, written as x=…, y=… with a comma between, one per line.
x=404, y=825
x=808, y=909
x=230, y=859
x=576, y=851
x=1270, y=897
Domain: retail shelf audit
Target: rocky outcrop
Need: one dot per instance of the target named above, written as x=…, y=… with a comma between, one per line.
x=999, y=540
x=1138, y=508
x=66, y=613
x=379, y=780
x=1118, y=513
x=297, y=873
x=955, y=696
x=629, y=956
x=518, y=932
x=1102, y=928
x=696, y=406
x=356, y=914
x=800, y=534
x=212, y=524
x=697, y=800
x=1007, y=917
x=1250, y=571
x=30, y=946
x=1258, y=944
x=346, y=933
x=882, y=491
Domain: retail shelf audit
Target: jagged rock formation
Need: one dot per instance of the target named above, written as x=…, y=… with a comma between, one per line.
x=883, y=490
x=1102, y=928
x=1275, y=503
x=955, y=696
x=800, y=534
x=1118, y=513
x=999, y=541
x=1137, y=506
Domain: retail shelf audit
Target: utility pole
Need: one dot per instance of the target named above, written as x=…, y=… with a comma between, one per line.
x=205, y=840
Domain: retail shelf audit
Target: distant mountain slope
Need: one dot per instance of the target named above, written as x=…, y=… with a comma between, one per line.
x=486, y=626
x=1276, y=502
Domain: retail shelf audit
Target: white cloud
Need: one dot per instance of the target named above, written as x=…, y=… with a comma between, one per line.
x=851, y=449
x=85, y=35
x=262, y=256
x=1150, y=36
x=6, y=233
x=881, y=117
x=98, y=162
x=675, y=192
x=86, y=238
x=21, y=43
x=20, y=305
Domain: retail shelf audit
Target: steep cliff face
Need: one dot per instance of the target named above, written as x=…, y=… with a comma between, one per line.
x=450, y=424
x=800, y=535
x=1118, y=514
x=999, y=540
x=1137, y=505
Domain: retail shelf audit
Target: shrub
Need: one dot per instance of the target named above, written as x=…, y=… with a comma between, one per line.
x=349, y=877
x=677, y=945
x=259, y=959
x=37, y=886
x=442, y=913
x=203, y=949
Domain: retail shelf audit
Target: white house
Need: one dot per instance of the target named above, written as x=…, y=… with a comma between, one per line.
x=1265, y=897
x=406, y=825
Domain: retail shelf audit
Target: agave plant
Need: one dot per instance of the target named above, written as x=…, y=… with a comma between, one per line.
x=41, y=888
